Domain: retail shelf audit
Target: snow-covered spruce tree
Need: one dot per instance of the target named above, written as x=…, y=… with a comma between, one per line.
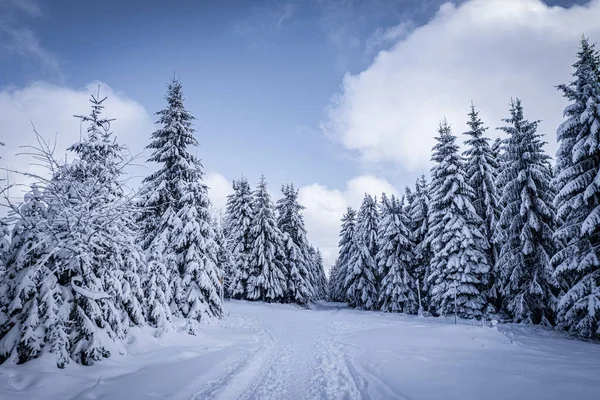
x=460, y=266
x=383, y=207
x=22, y=323
x=361, y=278
x=74, y=288
x=295, y=245
x=578, y=201
x=317, y=274
x=481, y=170
x=524, y=230
x=398, y=291
x=238, y=218
x=267, y=278
x=105, y=265
x=332, y=282
x=176, y=212
x=418, y=214
x=156, y=285
x=198, y=294
x=224, y=256
x=345, y=247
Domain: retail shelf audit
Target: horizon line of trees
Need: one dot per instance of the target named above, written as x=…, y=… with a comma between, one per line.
x=497, y=231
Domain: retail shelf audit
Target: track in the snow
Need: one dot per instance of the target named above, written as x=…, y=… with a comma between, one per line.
x=296, y=358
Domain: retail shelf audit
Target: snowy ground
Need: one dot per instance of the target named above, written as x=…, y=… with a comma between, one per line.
x=331, y=352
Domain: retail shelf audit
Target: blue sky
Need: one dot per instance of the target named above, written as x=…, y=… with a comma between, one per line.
x=260, y=76
x=257, y=74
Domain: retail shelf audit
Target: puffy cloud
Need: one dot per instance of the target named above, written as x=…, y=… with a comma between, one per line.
x=324, y=208
x=219, y=188
x=485, y=51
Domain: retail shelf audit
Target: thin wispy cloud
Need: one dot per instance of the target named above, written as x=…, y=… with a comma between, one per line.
x=30, y=7
x=19, y=39
x=264, y=21
x=358, y=29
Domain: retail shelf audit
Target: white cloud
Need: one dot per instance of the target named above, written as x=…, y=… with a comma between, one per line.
x=51, y=108
x=325, y=207
x=219, y=188
x=486, y=51
x=18, y=39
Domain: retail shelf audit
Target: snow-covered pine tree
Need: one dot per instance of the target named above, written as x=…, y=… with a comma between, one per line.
x=295, y=245
x=524, y=230
x=156, y=285
x=481, y=170
x=105, y=265
x=317, y=272
x=578, y=200
x=361, y=278
x=267, y=278
x=238, y=219
x=418, y=214
x=398, y=292
x=460, y=266
x=345, y=247
x=224, y=256
x=198, y=294
x=332, y=282
x=410, y=197
x=176, y=212
x=383, y=207
x=21, y=323
x=74, y=286
x=499, y=155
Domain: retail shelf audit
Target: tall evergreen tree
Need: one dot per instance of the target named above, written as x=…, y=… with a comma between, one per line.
x=482, y=169
x=224, y=256
x=418, y=214
x=295, y=245
x=267, y=279
x=333, y=281
x=524, y=230
x=317, y=274
x=176, y=211
x=361, y=278
x=578, y=200
x=238, y=223
x=398, y=292
x=460, y=266
x=198, y=292
x=345, y=246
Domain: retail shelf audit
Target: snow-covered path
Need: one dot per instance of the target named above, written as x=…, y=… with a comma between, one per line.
x=297, y=357
x=330, y=352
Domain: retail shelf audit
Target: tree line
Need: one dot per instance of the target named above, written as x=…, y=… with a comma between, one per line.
x=83, y=259
x=497, y=231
